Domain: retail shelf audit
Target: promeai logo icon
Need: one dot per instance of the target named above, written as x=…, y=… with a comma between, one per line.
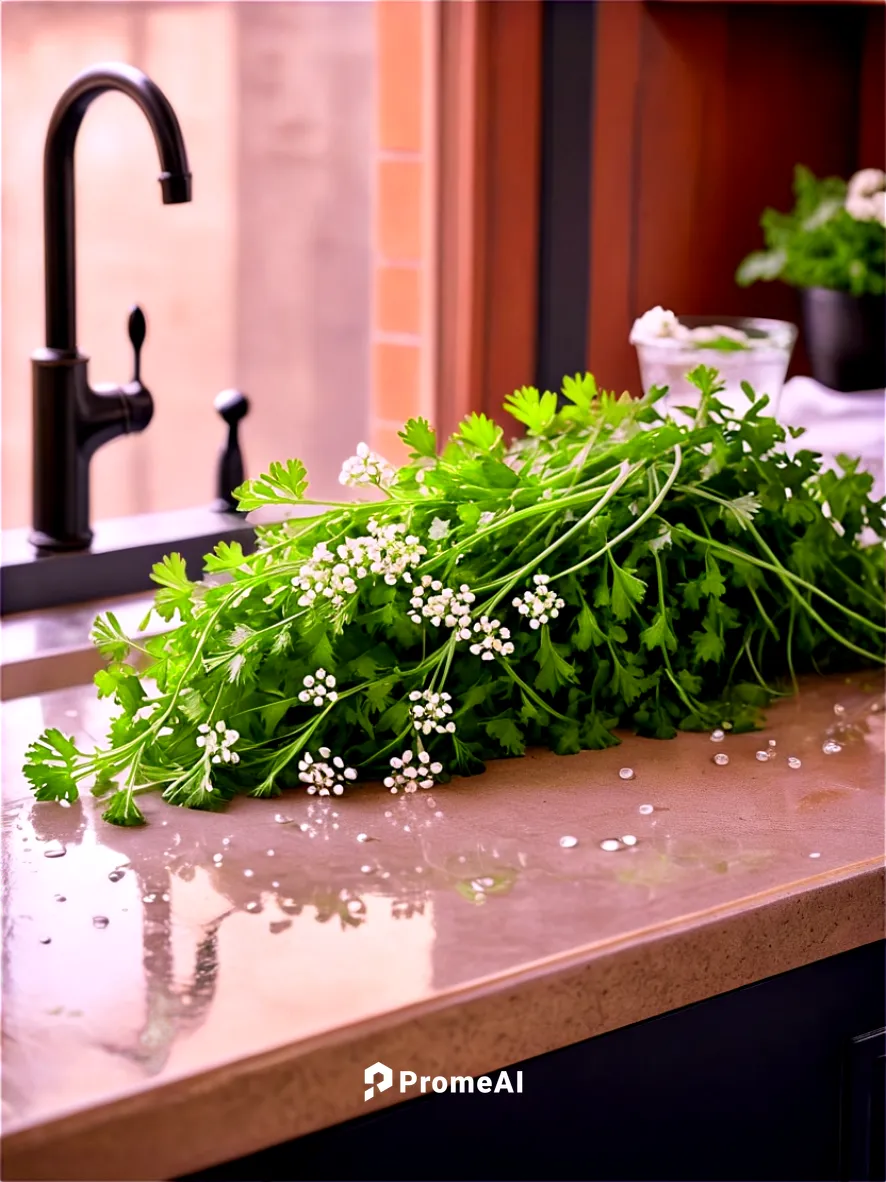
x=381, y=1073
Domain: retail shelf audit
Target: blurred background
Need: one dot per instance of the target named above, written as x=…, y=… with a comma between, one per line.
x=283, y=277
x=406, y=206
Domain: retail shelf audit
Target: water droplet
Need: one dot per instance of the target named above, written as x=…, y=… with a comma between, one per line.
x=335, y=824
x=281, y=819
x=626, y=773
x=629, y=839
x=100, y=921
x=386, y=874
x=838, y=709
x=270, y=853
x=610, y=844
x=116, y=875
x=253, y=906
x=55, y=849
x=61, y=898
x=483, y=884
x=816, y=854
x=164, y=822
x=148, y=898
x=46, y=940
x=304, y=826
x=388, y=813
x=646, y=809
x=438, y=813
x=226, y=841
x=794, y=762
x=275, y=885
x=479, y=897
x=366, y=869
x=831, y=747
x=762, y=756
x=406, y=829
x=718, y=735
x=248, y=873
x=355, y=906
x=568, y=842
x=218, y=859
x=165, y=897
x=772, y=743
x=65, y=804
x=721, y=759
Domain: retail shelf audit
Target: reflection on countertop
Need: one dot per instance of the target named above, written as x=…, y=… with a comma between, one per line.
x=136, y=957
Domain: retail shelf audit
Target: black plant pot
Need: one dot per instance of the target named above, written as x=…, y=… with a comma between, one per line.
x=845, y=339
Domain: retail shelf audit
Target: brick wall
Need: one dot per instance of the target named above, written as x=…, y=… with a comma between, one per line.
x=404, y=268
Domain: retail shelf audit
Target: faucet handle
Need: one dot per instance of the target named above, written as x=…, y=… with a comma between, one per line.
x=137, y=332
x=232, y=405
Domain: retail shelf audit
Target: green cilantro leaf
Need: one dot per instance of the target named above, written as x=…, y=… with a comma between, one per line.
x=51, y=766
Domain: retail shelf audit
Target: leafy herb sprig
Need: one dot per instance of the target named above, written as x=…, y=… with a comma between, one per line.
x=611, y=568
x=830, y=239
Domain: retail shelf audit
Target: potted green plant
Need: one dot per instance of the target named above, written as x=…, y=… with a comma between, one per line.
x=832, y=246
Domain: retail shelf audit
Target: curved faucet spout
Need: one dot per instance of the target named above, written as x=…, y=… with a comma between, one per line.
x=58, y=180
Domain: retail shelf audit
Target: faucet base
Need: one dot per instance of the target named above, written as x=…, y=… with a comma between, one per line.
x=47, y=544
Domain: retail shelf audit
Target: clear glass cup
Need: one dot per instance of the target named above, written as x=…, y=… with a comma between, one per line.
x=665, y=361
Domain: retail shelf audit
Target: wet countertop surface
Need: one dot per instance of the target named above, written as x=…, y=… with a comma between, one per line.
x=161, y=983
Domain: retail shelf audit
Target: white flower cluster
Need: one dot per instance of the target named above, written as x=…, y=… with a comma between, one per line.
x=866, y=196
x=408, y=776
x=319, y=689
x=367, y=467
x=217, y=743
x=392, y=552
x=493, y=639
x=442, y=606
x=541, y=604
x=430, y=711
x=386, y=550
x=326, y=775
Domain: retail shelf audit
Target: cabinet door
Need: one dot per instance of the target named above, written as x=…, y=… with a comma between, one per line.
x=864, y=1109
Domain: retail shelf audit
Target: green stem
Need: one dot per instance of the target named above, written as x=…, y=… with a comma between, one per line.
x=635, y=525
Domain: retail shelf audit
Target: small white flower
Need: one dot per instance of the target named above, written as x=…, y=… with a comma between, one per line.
x=367, y=468
x=494, y=640
x=324, y=776
x=218, y=743
x=409, y=774
x=319, y=689
x=439, y=529
x=430, y=712
x=442, y=606
x=655, y=325
x=866, y=196
x=486, y=518
x=541, y=605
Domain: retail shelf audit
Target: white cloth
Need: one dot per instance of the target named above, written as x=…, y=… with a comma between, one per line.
x=837, y=424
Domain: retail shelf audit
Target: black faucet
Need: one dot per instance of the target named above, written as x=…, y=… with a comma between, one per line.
x=71, y=419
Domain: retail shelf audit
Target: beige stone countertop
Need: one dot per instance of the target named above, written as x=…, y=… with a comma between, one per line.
x=190, y=992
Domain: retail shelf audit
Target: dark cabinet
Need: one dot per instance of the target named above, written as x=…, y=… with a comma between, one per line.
x=864, y=1109
x=782, y=1080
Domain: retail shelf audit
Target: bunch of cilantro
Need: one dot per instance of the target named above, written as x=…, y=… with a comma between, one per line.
x=701, y=567
x=819, y=244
